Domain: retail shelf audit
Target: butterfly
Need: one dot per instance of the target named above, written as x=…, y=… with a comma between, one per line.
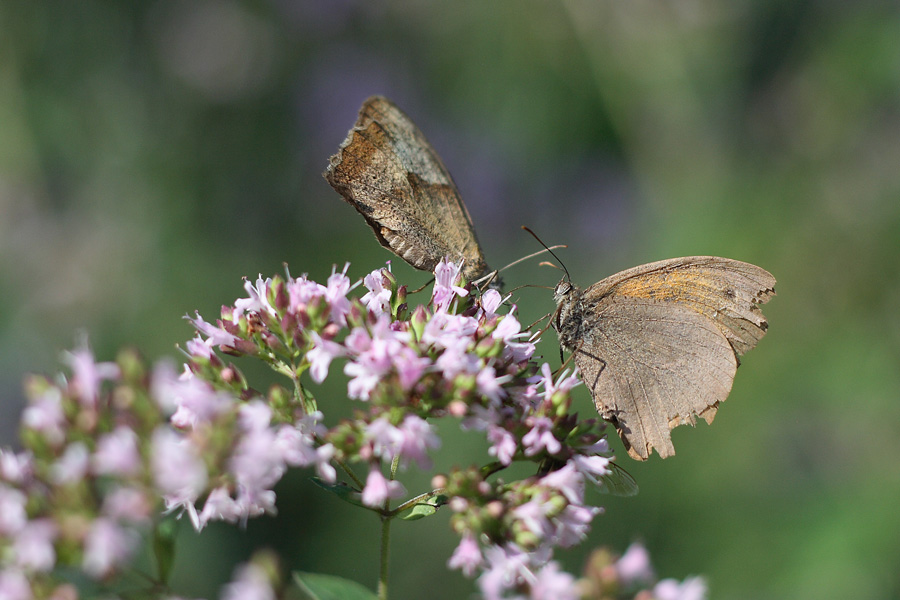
x=658, y=345
x=388, y=171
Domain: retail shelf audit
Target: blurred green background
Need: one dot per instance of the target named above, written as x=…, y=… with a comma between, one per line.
x=153, y=153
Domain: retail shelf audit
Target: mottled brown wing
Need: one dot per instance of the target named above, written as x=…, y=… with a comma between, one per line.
x=390, y=173
x=660, y=343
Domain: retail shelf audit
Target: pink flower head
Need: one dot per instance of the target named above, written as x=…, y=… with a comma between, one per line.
x=553, y=584
x=490, y=302
x=567, y=481
x=44, y=414
x=87, y=375
x=12, y=510
x=220, y=506
x=192, y=399
x=336, y=295
x=378, y=299
x=506, y=567
x=378, y=489
x=106, y=546
x=128, y=504
x=33, y=545
x=446, y=275
x=503, y=444
x=634, y=566
x=15, y=467
x=250, y=583
x=541, y=438
x=117, y=453
x=178, y=471
x=72, y=466
x=692, y=588
x=417, y=437
x=257, y=299
x=563, y=383
x=573, y=523
x=467, y=556
x=215, y=336
x=14, y=585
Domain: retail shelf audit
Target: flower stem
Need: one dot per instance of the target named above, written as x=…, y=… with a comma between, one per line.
x=385, y=550
x=386, y=537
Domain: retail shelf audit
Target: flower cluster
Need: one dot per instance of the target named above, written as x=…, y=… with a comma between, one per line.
x=113, y=447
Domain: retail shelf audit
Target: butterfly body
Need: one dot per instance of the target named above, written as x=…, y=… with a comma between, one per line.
x=658, y=345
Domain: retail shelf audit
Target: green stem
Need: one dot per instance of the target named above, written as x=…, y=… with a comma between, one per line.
x=386, y=537
x=385, y=550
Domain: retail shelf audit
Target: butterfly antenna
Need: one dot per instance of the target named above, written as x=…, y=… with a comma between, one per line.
x=538, y=253
x=541, y=242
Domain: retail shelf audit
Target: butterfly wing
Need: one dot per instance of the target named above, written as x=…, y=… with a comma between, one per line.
x=659, y=343
x=390, y=173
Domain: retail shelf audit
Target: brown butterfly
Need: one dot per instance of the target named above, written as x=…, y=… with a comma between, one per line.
x=390, y=173
x=658, y=345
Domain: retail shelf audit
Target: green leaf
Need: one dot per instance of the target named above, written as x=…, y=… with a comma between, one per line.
x=342, y=491
x=316, y=586
x=425, y=508
x=619, y=482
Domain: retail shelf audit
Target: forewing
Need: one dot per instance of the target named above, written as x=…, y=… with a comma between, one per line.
x=651, y=365
x=726, y=291
x=390, y=173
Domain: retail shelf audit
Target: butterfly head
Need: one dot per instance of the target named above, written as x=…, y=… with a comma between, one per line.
x=563, y=290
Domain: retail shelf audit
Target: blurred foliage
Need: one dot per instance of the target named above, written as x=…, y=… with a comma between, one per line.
x=153, y=153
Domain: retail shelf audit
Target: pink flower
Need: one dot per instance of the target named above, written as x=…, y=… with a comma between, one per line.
x=87, y=375
x=220, y=506
x=491, y=386
x=127, y=504
x=257, y=462
x=178, y=472
x=14, y=585
x=467, y=556
x=503, y=444
x=634, y=566
x=15, y=467
x=507, y=565
x=592, y=467
x=509, y=330
x=572, y=524
x=336, y=295
x=192, y=399
x=490, y=302
x=541, y=438
x=45, y=415
x=250, y=583
x=106, y=546
x=378, y=489
x=446, y=274
x=378, y=299
x=117, y=453
x=416, y=438
x=12, y=510
x=321, y=355
x=552, y=584
x=72, y=466
x=692, y=588
x=33, y=545
x=215, y=336
x=257, y=299
x=568, y=481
